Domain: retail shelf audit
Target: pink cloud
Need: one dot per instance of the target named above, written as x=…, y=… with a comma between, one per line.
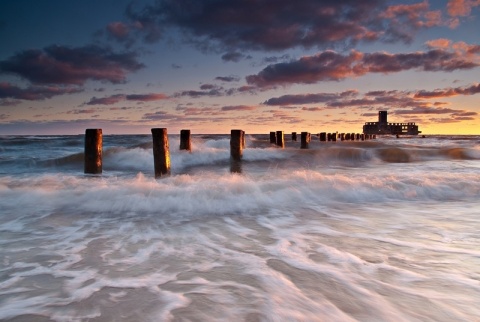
x=457, y=8
x=470, y=90
x=332, y=66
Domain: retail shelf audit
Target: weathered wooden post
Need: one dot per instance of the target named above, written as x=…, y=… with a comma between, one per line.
x=362, y=137
x=185, y=140
x=280, y=139
x=357, y=136
x=244, y=140
x=236, y=145
x=347, y=136
x=323, y=136
x=93, y=151
x=304, y=140
x=294, y=136
x=334, y=137
x=161, y=152
x=342, y=136
x=352, y=136
x=273, y=138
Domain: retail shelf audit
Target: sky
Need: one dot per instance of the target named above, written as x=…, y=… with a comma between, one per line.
x=258, y=65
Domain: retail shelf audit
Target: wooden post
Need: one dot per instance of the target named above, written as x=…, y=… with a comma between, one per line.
x=161, y=152
x=93, y=151
x=323, y=136
x=334, y=137
x=352, y=136
x=273, y=138
x=294, y=136
x=342, y=136
x=185, y=140
x=362, y=137
x=280, y=139
x=304, y=140
x=236, y=144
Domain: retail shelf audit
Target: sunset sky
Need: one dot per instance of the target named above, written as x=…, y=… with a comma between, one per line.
x=258, y=65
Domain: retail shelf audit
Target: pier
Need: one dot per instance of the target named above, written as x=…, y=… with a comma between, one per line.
x=161, y=147
x=384, y=127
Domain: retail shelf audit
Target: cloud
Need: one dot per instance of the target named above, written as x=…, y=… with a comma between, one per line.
x=312, y=109
x=146, y=97
x=71, y=65
x=233, y=57
x=457, y=8
x=109, y=100
x=34, y=93
x=118, y=30
x=113, y=99
x=198, y=110
x=238, y=108
x=435, y=110
x=308, y=98
x=470, y=90
x=332, y=66
x=280, y=24
x=228, y=78
x=159, y=115
x=206, y=90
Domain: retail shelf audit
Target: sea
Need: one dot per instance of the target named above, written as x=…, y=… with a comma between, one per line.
x=378, y=230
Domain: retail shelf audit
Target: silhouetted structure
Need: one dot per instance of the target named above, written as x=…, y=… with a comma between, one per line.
x=383, y=127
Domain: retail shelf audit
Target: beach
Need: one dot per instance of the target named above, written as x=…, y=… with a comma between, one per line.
x=379, y=230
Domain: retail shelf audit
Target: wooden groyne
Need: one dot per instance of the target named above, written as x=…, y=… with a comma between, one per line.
x=161, y=152
x=161, y=148
x=93, y=151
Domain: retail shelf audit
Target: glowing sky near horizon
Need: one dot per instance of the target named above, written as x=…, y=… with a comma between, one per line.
x=214, y=65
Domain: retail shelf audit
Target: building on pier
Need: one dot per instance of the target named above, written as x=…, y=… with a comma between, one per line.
x=383, y=127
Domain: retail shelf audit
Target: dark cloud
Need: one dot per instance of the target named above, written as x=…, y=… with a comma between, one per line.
x=206, y=90
x=332, y=66
x=71, y=65
x=34, y=93
x=308, y=98
x=109, y=100
x=228, y=78
x=435, y=110
x=205, y=87
x=283, y=24
x=233, y=57
x=238, y=108
x=113, y=99
x=146, y=97
x=312, y=109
